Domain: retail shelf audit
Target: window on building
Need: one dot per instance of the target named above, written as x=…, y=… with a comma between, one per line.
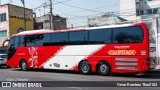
x=46, y=21
x=149, y=0
x=141, y=12
x=3, y=33
x=155, y=10
x=138, y=12
x=158, y=11
x=150, y=11
x=2, y=17
x=145, y=12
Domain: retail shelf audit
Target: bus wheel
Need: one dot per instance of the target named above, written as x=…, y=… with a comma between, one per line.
x=103, y=69
x=85, y=68
x=8, y=66
x=23, y=65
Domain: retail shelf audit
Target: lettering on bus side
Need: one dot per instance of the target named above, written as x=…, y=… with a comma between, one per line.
x=122, y=52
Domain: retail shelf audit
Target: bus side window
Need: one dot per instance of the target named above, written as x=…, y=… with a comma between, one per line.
x=28, y=40
x=11, y=47
x=17, y=42
x=127, y=35
x=59, y=38
x=78, y=38
x=43, y=40
x=100, y=36
x=22, y=41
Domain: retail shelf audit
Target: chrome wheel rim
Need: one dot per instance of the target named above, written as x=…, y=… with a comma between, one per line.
x=104, y=68
x=24, y=65
x=85, y=67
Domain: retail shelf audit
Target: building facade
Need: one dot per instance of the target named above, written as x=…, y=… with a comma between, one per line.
x=107, y=19
x=43, y=22
x=141, y=9
x=12, y=21
x=128, y=9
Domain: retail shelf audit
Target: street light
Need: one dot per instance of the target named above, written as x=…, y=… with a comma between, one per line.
x=24, y=14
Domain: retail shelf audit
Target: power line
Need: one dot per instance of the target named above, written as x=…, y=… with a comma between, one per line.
x=45, y=3
x=104, y=6
x=83, y=9
x=39, y=6
x=61, y=2
x=79, y=7
x=87, y=16
x=112, y=5
x=67, y=13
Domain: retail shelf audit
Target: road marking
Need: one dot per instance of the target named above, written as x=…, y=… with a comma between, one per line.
x=75, y=87
x=155, y=88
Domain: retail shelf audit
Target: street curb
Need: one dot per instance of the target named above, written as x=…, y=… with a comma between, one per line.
x=158, y=67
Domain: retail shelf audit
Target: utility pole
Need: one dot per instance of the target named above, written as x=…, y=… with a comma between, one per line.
x=44, y=8
x=51, y=16
x=72, y=26
x=24, y=14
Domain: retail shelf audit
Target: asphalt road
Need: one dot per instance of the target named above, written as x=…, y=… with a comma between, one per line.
x=8, y=74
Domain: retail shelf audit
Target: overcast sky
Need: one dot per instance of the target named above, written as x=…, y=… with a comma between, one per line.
x=76, y=11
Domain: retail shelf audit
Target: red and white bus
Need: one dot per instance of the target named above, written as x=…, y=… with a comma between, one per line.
x=107, y=49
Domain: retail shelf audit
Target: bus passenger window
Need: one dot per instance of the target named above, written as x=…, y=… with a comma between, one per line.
x=100, y=36
x=78, y=38
x=127, y=35
x=59, y=39
x=11, y=45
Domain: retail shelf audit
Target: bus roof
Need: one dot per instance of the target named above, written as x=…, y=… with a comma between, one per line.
x=70, y=30
x=47, y=31
x=111, y=26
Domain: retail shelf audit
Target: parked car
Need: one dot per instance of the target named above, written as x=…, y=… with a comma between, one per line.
x=3, y=59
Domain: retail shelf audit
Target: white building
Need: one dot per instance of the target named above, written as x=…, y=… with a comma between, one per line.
x=128, y=9
x=139, y=9
x=106, y=19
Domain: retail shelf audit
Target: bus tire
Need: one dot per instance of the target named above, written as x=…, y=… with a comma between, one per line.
x=84, y=68
x=23, y=65
x=103, y=69
x=8, y=67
